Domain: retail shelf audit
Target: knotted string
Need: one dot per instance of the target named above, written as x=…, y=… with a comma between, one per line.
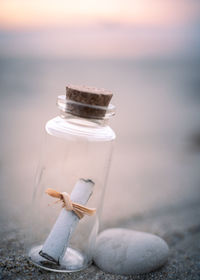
x=69, y=205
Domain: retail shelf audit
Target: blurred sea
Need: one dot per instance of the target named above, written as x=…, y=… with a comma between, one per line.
x=156, y=159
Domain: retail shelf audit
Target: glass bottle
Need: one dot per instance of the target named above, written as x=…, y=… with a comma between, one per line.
x=76, y=155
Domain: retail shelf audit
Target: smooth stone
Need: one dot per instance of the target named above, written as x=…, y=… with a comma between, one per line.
x=126, y=252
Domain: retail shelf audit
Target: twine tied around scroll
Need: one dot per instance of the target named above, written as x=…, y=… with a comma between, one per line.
x=69, y=205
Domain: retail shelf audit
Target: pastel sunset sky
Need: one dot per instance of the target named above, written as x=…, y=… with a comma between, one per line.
x=122, y=28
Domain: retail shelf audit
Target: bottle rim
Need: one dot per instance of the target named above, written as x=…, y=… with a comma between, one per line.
x=85, y=110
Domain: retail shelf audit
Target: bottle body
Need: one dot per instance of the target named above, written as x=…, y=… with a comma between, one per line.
x=75, y=150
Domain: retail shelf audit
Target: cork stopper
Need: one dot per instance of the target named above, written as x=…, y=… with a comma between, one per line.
x=87, y=102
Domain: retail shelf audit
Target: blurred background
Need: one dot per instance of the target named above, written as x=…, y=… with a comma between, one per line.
x=147, y=53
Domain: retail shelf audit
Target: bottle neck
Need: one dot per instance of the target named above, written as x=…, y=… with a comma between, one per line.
x=81, y=113
x=82, y=121
x=92, y=113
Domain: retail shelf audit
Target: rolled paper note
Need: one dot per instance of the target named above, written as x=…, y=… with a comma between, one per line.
x=57, y=241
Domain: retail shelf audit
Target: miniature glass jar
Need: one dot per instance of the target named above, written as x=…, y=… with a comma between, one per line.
x=75, y=161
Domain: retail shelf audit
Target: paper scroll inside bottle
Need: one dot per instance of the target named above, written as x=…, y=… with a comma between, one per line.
x=57, y=242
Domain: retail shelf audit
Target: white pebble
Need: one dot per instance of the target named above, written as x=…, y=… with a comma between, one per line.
x=127, y=252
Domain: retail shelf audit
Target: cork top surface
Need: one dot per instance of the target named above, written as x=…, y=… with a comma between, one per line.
x=88, y=95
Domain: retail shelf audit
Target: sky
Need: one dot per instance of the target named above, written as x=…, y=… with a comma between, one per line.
x=114, y=28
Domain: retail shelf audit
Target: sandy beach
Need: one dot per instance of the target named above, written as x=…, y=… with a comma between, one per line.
x=179, y=226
